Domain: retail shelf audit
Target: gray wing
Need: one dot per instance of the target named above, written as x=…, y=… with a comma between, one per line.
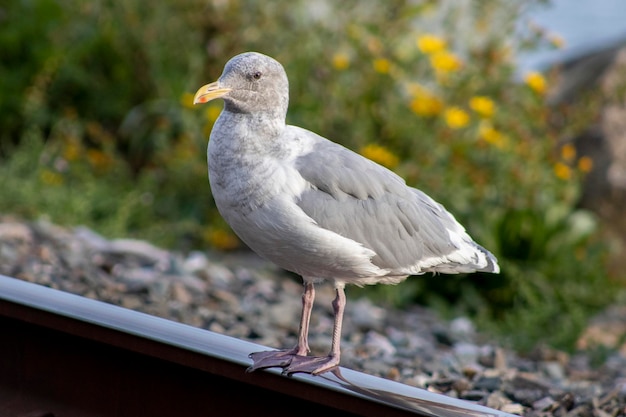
x=361, y=200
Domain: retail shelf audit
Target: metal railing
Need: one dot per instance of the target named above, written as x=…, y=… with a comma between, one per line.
x=67, y=355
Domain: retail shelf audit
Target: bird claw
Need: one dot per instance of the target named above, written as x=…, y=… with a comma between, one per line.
x=314, y=365
x=271, y=359
x=291, y=362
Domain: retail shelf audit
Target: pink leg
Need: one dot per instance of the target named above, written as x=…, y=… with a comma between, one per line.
x=307, y=306
x=339, y=305
x=319, y=364
x=282, y=358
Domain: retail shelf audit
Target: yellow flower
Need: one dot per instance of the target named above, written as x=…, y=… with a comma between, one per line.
x=482, y=105
x=416, y=89
x=341, y=61
x=72, y=151
x=97, y=133
x=456, y=117
x=51, y=178
x=99, y=160
x=424, y=102
x=585, y=164
x=186, y=100
x=445, y=62
x=382, y=65
x=221, y=239
x=212, y=112
x=568, y=152
x=426, y=105
x=562, y=171
x=491, y=135
x=536, y=82
x=380, y=155
x=430, y=44
x=374, y=45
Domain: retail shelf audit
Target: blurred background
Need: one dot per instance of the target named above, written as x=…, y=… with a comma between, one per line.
x=483, y=105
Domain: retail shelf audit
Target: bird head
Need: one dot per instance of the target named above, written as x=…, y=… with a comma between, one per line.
x=251, y=83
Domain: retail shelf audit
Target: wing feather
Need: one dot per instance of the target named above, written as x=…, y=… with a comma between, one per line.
x=358, y=199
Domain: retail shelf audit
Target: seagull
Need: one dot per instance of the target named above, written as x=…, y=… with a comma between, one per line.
x=318, y=209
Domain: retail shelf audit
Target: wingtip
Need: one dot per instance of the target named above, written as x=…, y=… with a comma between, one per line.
x=492, y=261
x=492, y=264
x=495, y=268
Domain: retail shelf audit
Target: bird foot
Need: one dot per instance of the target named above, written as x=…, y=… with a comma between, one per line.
x=314, y=365
x=271, y=359
x=292, y=362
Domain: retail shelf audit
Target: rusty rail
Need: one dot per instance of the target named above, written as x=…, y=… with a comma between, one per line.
x=63, y=355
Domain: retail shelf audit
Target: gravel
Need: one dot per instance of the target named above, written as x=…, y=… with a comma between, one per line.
x=243, y=296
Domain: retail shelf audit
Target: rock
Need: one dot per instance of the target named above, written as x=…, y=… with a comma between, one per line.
x=553, y=370
x=526, y=389
x=606, y=330
x=366, y=315
x=489, y=384
x=140, y=252
x=393, y=374
x=91, y=239
x=499, y=359
x=497, y=400
x=462, y=328
x=226, y=298
x=181, y=294
x=285, y=314
x=131, y=302
x=420, y=381
x=474, y=395
x=15, y=233
x=375, y=368
x=527, y=396
x=461, y=385
x=378, y=345
x=195, y=262
x=544, y=404
x=219, y=276
x=135, y=279
x=245, y=297
x=191, y=282
x=467, y=354
x=443, y=335
x=513, y=408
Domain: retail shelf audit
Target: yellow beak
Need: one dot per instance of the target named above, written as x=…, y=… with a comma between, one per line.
x=209, y=92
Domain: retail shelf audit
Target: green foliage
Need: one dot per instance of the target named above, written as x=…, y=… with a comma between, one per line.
x=97, y=127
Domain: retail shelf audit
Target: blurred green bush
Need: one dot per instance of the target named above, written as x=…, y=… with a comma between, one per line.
x=97, y=127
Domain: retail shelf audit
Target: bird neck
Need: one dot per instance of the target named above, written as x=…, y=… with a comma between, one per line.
x=260, y=126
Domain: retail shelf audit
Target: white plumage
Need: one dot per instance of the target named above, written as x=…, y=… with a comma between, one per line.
x=316, y=208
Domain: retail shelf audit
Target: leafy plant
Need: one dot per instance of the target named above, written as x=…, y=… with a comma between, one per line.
x=97, y=127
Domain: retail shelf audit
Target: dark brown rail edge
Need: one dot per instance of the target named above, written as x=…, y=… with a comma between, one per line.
x=62, y=355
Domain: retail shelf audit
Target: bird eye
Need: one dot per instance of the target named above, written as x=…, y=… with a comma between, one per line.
x=257, y=75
